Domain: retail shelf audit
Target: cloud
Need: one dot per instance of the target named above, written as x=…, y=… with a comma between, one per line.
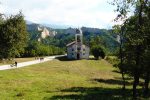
x=93, y=13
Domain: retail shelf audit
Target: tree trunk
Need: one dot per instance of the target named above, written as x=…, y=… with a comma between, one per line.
x=123, y=81
x=135, y=83
x=146, y=84
x=138, y=53
x=137, y=71
x=121, y=58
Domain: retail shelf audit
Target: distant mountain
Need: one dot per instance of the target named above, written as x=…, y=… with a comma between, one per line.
x=29, y=22
x=55, y=26
x=34, y=27
x=65, y=36
x=91, y=30
x=85, y=30
x=38, y=31
x=60, y=36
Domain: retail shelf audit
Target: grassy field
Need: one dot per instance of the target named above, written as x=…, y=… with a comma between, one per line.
x=56, y=80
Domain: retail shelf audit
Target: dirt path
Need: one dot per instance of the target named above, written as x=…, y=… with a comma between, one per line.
x=23, y=64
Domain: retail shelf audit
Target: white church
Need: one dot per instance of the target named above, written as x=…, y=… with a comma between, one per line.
x=76, y=49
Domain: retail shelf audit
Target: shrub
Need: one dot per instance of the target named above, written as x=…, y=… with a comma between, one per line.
x=97, y=52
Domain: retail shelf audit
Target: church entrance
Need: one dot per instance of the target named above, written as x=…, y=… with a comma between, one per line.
x=78, y=56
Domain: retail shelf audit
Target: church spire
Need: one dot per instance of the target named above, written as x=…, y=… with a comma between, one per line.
x=78, y=36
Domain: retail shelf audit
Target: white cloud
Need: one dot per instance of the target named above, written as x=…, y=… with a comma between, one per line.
x=94, y=13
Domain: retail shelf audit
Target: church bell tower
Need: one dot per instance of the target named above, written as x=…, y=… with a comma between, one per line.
x=79, y=42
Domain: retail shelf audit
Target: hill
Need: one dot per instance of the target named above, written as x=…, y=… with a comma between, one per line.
x=37, y=31
x=61, y=37
x=65, y=36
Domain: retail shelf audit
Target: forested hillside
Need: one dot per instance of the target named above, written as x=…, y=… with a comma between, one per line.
x=91, y=36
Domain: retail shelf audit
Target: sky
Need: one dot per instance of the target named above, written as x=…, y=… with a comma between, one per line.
x=78, y=13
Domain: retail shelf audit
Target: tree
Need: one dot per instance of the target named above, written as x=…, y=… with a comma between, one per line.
x=13, y=36
x=1, y=18
x=146, y=70
x=135, y=40
x=36, y=48
x=137, y=37
x=97, y=51
x=119, y=30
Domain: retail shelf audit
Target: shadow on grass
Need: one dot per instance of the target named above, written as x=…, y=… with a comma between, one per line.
x=116, y=71
x=126, y=78
x=112, y=81
x=92, y=93
x=64, y=58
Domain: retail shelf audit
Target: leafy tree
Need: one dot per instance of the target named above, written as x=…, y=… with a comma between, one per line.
x=119, y=30
x=1, y=18
x=97, y=51
x=13, y=36
x=135, y=37
x=36, y=48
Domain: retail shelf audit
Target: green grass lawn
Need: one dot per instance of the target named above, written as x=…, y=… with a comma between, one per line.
x=55, y=80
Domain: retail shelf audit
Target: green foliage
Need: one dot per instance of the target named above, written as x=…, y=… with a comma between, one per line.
x=1, y=18
x=107, y=40
x=112, y=60
x=38, y=49
x=13, y=36
x=135, y=48
x=98, y=51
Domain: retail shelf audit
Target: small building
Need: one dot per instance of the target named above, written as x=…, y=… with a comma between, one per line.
x=76, y=49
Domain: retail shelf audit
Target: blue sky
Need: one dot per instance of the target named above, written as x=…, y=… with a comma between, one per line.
x=90, y=13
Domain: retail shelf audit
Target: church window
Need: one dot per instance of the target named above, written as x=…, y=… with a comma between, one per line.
x=78, y=39
x=78, y=48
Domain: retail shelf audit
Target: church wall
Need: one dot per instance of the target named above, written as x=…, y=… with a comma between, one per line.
x=78, y=50
x=71, y=54
x=85, y=52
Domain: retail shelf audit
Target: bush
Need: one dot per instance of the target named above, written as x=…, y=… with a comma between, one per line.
x=97, y=52
x=112, y=60
x=38, y=49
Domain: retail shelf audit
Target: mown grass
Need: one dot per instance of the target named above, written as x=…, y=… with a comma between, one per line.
x=56, y=80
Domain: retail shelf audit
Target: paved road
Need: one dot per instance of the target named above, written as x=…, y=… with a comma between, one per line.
x=23, y=64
